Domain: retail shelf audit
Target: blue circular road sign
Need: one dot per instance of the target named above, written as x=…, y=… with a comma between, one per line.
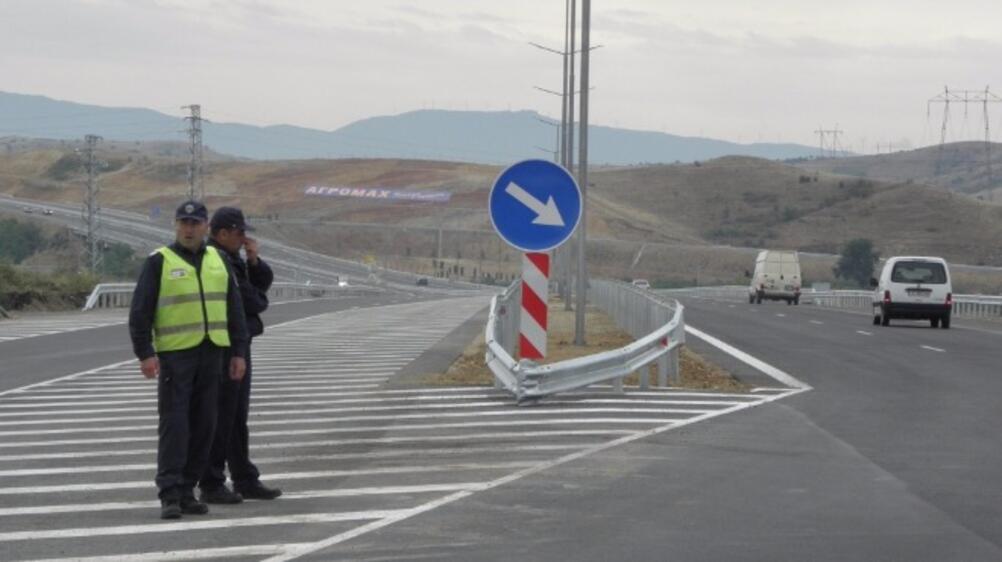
x=535, y=205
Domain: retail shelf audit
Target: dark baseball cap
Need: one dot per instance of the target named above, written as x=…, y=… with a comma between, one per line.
x=230, y=218
x=192, y=210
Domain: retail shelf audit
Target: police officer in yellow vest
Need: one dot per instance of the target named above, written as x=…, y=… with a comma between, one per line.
x=186, y=311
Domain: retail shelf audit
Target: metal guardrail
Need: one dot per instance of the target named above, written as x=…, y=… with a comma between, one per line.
x=964, y=306
x=657, y=324
x=119, y=295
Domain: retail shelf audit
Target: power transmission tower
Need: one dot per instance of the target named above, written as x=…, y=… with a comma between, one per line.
x=91, y=207
x=966, y=97
x=834, y=148
x=196, y=189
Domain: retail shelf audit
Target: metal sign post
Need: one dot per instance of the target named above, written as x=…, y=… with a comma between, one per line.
x=535, y=206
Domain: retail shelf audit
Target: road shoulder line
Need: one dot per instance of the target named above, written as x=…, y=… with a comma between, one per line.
x=778, y=374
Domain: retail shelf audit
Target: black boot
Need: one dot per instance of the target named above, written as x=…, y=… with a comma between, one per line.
x=258, y=491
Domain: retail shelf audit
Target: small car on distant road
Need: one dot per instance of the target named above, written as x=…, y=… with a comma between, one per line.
x=641, y=284
x=422, y=282
x=915, y=288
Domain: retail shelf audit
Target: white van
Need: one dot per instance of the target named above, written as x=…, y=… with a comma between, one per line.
x=776, y=277
x=916, y=288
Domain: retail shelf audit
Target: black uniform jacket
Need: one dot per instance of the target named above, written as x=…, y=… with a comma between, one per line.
x=254, y=282
x=144, y=304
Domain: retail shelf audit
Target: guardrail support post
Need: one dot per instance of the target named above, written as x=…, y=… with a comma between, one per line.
x=673, y=373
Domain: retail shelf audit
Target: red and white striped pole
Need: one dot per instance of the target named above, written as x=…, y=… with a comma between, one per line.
x=535, y=292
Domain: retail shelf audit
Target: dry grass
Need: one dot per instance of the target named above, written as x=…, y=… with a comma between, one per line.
x=674, y=212
x=602, y=335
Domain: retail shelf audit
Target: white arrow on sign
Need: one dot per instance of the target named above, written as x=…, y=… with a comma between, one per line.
x=547, y=215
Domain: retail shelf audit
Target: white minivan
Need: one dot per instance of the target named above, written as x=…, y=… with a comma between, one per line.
x=916, y=288
x=776, y=277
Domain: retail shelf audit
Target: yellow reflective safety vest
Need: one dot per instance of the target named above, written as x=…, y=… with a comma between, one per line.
x=191, y=306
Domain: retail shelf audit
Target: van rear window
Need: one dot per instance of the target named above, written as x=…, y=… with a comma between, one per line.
x=919, y=272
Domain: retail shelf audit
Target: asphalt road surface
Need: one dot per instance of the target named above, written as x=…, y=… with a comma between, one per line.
x=891, y=455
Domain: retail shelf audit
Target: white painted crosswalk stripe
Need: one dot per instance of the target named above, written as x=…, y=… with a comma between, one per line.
x=345, y=448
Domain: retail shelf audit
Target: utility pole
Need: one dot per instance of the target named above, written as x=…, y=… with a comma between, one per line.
x=196, y=189
x=581, y=299
x=91, y=207
x=566, y=144
x=983, y=97
x=833, y=134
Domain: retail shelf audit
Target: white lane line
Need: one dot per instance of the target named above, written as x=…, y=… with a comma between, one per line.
x=366, y=429
x=388, y=418
x=780, y=315
x=494, y=404
x=286, y=459
x=418, y=402
x=307, y=495
x=762, y=366
x=301, y=519
x=500, y=402
x=140, y=484
x=200, y=554
x=466, y=437
x=864, y=332
x=297, y=552
x=930, y=348
x=818, y=322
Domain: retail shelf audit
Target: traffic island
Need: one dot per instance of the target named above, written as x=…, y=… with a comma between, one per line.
x=601, y=334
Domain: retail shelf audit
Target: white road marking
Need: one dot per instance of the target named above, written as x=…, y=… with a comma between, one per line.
x=200, y=554
x=313, y=356
x=390, y=418
x=470, y=437
x=365, y=429
x=864, y=332
x=307, y=495
x=780, y=315
x=779, y=375
x=301, y=551
x=819, y=323
x=306, y=518
x=141, y=484
x=936, y=349
x=500, y=448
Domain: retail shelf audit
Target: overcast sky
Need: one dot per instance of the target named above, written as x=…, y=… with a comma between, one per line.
x=772, y=70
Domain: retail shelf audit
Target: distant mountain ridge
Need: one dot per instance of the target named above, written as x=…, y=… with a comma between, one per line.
x=490, y=137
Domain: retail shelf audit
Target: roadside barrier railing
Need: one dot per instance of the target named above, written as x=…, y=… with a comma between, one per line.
x=656, y=322
x=119, y=295
x=964, y=306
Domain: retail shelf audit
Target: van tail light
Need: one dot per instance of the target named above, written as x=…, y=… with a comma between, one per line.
x=949, y=300
x=887, y=297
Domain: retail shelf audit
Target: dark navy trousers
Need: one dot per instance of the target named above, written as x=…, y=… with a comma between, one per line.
x=187, y=397
x=231, y=447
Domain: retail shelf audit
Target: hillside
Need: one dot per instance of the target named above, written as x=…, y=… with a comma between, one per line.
x=678, y=223
x=959, y=167
x=492, y=137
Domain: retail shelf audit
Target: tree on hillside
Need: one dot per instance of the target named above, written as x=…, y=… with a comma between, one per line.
x=857, y=261
x=19, y=240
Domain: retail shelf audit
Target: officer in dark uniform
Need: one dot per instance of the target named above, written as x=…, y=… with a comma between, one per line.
x=186, y=312
x=231, y=447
